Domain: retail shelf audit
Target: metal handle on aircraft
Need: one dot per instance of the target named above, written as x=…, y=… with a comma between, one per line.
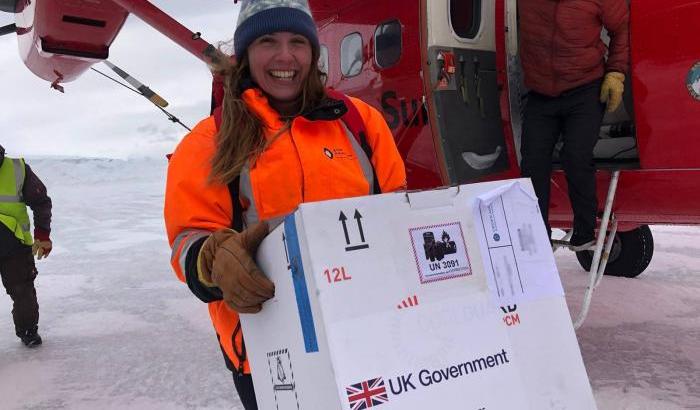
x=477, y=82
x=479, y=97
x=463, y=86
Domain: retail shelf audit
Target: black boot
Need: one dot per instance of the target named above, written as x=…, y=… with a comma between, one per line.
x=30, y=338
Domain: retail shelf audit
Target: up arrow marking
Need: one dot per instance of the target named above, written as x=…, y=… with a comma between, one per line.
x=358, y=217
x=342, y=219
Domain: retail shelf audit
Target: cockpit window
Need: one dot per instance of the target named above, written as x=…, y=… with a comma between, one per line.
x=465, y=17
x=387, y=44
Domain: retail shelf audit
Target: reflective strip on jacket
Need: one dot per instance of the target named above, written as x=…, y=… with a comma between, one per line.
x=313, y=160
x=13, y=210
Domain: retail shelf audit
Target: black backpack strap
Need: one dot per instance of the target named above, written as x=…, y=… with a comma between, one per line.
x=234, y=186
x=237, y=217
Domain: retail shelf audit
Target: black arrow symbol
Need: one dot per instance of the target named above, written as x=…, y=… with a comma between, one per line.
x=358, y=217
x=342, y=219
x=286, y=254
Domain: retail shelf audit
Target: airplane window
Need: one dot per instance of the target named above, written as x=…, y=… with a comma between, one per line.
x=465, y=16
x=387, y=44
x=323, y=60
x=351, y=55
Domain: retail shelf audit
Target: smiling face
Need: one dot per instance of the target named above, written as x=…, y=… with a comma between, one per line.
x=280, y=63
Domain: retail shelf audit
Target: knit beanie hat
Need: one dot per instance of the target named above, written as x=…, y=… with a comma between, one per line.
x=259, y=17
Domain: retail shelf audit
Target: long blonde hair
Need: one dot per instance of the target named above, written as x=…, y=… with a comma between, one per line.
x=241, y=134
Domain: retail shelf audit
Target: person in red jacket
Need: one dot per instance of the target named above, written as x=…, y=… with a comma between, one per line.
x=280, y=139
x=19, y=188
x=570, y=82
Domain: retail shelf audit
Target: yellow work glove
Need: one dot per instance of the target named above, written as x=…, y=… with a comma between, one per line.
x=41, y=249
x=612, y=89
x=226, y=261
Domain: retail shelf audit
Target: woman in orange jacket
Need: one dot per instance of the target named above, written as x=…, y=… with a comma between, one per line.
x=280, y=139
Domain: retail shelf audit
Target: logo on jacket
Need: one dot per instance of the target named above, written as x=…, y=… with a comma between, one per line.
x=337, y=153
x=693, y=81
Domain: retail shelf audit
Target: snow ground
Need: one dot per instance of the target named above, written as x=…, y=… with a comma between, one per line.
x=120, y=332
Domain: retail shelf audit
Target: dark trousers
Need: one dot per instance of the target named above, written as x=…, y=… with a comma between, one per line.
x=18, y=272
x=244, y=387
x=576, y=115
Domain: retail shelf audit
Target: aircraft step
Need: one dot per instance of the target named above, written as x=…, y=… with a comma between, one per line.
x=561, y=243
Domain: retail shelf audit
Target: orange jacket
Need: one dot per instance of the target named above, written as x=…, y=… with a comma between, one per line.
x=313, y=160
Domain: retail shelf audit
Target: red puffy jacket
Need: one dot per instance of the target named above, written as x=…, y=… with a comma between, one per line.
x=560, y=45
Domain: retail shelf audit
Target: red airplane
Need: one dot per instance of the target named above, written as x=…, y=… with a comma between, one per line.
x=446, y=76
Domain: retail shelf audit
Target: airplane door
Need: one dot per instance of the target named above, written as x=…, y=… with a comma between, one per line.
x=465, y=91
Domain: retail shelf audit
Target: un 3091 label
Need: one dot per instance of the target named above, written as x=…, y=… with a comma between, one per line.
x=437, y=266
x=440, y=252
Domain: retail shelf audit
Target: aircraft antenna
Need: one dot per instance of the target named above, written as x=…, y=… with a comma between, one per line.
x=143, y=91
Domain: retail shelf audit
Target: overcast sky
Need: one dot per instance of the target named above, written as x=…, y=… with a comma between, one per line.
x=98, y=118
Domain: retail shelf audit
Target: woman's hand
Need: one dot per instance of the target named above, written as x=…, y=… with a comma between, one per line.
x=226, y=261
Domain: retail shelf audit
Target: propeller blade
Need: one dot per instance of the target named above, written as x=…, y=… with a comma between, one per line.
x=144, y=90
x=8, y=29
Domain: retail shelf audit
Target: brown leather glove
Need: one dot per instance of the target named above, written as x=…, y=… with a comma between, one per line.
x=41, y=249
x=226, y=261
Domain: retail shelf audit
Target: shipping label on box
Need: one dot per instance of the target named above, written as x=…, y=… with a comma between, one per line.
x=441, y=299
x=518, y=260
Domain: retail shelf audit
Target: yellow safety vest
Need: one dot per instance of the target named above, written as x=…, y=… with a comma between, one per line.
x=13, y=210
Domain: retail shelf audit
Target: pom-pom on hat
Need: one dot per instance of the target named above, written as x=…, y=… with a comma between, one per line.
x=259, y=17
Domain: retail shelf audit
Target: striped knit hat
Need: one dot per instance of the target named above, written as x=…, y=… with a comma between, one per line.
x=259, y=17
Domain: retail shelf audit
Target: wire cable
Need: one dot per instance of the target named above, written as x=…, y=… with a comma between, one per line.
x=170, y=116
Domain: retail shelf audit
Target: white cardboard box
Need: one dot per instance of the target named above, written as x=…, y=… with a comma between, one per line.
x=445, y=299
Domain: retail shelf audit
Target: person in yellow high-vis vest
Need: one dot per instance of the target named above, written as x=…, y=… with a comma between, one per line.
x=19, y=188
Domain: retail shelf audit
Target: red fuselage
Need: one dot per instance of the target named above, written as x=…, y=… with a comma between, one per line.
x=661, y=188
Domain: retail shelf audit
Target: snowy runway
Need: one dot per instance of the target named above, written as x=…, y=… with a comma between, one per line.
x=120, y=332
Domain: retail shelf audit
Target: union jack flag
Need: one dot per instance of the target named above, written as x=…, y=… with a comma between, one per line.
x=367, y=394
